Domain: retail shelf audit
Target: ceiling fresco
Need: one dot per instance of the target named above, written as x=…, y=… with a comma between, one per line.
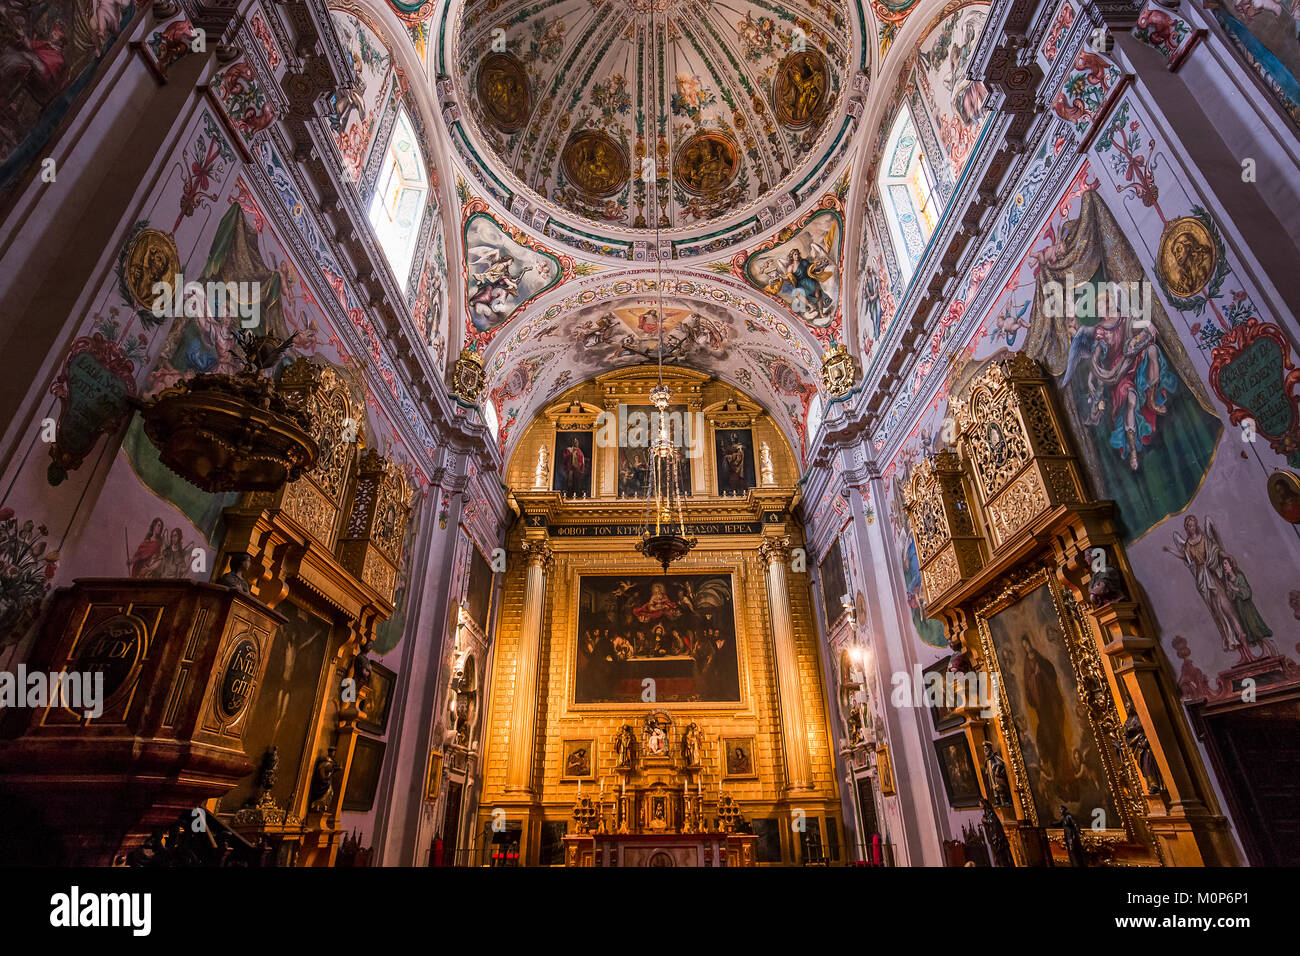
x=586, y=106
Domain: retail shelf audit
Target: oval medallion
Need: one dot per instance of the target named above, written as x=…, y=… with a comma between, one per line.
x=238, y=679
x=1187, y=257
x=503, y=92
x=151, y=258
x=800, y=91
x=113, y=647
x=706, y=163
x=595, y=163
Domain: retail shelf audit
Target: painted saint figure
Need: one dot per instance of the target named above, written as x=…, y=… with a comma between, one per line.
x=1202, y=552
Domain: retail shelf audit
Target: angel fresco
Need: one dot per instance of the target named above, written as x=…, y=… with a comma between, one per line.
x=1130, y=391
x=502, y=273
x=803, y=273
x=1222, y=586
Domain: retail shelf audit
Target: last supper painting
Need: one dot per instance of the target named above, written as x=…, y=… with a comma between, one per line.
x=678, y=632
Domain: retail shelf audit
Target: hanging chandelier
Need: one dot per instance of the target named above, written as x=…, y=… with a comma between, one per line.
x=663, y=529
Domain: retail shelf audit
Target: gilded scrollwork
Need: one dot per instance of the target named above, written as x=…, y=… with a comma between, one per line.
x=941, y=574
x=1017, y=506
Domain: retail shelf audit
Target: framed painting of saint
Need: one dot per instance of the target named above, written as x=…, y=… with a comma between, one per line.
x=573, y=464
x=380, y=697
x=738, y=757
x=959, y=778
x=1042, y=714
x=735, y=460
x=678, y=631
x=634, y=459
x=578, y=759
x=363, y=776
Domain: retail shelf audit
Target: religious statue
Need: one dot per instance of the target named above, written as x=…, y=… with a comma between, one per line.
x=766, y=470
x=539, y=475
x=322, y=781
x=1135, y=736
x=692, y=744
x=266, y=775
x=996, y=769
x=624, y=745
x=1107, y=587
x=996, y=836
x=234, y=578
x=855, y=726
x=361, y=667
x=1073, y=838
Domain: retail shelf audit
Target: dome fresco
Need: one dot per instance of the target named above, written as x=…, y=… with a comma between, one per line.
x=583, y=103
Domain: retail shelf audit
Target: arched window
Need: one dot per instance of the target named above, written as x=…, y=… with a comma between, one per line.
x=490, y=419
x=397, y=206
x=907, y=186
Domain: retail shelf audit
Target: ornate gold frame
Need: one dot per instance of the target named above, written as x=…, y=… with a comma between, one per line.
x=1093, y=690
x=571, y=637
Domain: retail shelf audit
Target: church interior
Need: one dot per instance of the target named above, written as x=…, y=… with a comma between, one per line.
x=663, y=433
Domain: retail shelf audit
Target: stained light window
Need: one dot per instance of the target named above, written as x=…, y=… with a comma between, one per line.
x=397, y=207
x=911, y=200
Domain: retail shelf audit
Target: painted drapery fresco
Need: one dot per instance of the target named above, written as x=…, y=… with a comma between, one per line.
x=1266, y=34
x=1146, y=425
x=679, y=630
x=48, y=56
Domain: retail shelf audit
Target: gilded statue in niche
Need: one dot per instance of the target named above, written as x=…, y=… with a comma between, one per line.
x=595, y=163
x=503, y=91
x=800, y=90
x=706, y=163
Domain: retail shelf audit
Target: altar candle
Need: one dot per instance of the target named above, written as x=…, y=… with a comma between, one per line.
x=579, y=786
x=602, y=788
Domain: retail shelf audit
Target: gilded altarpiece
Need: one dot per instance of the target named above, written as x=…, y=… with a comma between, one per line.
x=581, y=552
x=1044, y=604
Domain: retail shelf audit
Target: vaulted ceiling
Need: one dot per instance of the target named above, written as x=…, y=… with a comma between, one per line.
x=756, y=121
x=584, y=101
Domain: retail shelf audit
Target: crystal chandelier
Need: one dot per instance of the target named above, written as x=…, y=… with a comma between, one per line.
x=663, y=529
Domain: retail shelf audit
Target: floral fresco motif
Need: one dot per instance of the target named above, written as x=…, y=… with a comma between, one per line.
x=26, y=569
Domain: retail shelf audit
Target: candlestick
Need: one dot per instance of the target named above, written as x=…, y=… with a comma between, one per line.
x=602, y=787
x=579, y=787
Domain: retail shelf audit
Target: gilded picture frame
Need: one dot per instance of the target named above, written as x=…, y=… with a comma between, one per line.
x=578, y=758
x=433, y=776
x=1087, y=703
x=885, y=770
x=738, y=759
x=573, y=634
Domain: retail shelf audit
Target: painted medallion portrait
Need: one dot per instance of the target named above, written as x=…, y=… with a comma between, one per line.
x=679, y=631
x=1057, y=744
x=800, y=90
x=503, y=92
x=151, y=258
x=1187, y=257
x=706, y=163
x=595, y=163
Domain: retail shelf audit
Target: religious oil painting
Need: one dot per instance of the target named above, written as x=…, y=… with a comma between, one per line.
x=678, y=630
x=738, y=754
x=578, y=759
x=634, y=458
x=573, y=463
x=363, y=776
x=502, y=274
x=706, y=163
x=595, y=163
x=735, y=460
x=503, y=92
x=478, y=597
x=1044, y=713
x=958, y=770
x=801, y=88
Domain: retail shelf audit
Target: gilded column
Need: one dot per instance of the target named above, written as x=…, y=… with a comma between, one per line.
x=774, y=552
x=523, y=716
